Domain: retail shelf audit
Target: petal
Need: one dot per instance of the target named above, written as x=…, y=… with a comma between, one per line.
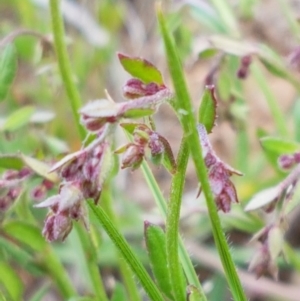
x=51, y=201
x=100, y=108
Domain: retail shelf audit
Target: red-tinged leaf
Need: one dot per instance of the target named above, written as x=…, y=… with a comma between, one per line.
x=168, y=158
x=141, y=69
x=207, y=112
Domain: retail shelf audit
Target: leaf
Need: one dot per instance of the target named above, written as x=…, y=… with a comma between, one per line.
x=207, y=110
x=42, y=116
x=20, y=256
x=274, y=63
x=168, y=158
x=138, y=113
x=275, y=242
x=26, y=234
x=11, y=281
x=129, y=127
x=141, y=69
x=8, y=68
x=156, y=247
x=18, y=119
x=232, y=46
x=263, y=198
x=40, y=168
x=194, y=294
x=11, y=162
x=279, y=146
x=205, y=14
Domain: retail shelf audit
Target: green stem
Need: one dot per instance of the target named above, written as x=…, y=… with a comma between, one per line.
x=271, y=100
x=64, y=62
x=126, y=273
x=185, y=110
x=172, y=223
x=127, y=253
x=58, y=274
x=91, y=262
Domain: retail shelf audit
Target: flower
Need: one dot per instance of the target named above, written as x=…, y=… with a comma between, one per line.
x=68, y=205
x=218, y=173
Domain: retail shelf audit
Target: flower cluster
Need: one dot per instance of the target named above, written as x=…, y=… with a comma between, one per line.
x=218, y=173
x=146, y=139
x=82, y=175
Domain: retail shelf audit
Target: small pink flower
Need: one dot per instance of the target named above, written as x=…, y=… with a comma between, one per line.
x=57, y=227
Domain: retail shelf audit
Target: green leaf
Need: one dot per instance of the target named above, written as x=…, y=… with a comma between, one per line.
x=18, y=119
x=194, y=294
x=207, y=17
x=129, y=127
x=11, y=162
x=138, y=113
x=141, y=69
x=26, y=234
x=156, y=247
x=126, y=252
x=11, y=281
x=20, y=256
x=8, y=67
x=279, y=146
x=207, y=110
x=40, y=168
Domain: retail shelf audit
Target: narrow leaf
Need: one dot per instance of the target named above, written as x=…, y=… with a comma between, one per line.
x=119, y=292
x=141, y=69
x=207, y=111
x=18, y=119
x=279, y=146
x=156, y=247
x=11, y=162
x=27, y=234
x=40, y=168
x=129, y=127
x=8, y=67
x=11, y=281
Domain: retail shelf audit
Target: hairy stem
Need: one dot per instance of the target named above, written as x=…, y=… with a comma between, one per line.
x=64, y=62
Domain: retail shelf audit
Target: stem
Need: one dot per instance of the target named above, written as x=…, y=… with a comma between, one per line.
x=64, y=62
x=172, y=223
x=126, y=273
x=91, y=262
x=59, y=275
x=127, y=253
x=162, y=205
x=185, y=110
